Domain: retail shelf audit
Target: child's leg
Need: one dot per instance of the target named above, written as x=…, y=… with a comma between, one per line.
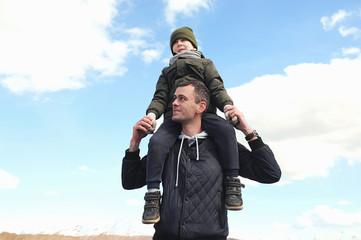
x=158, y=148
x=224, y=136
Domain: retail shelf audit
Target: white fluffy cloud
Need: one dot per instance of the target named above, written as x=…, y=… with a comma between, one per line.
x=50, y=192
x=8, y=181
x=350, y=51
x=151, y=54
x=339, y=19
x=185, y=7
x=324, y=216
x=353, y=31
x=330, y=22
x=310, y=115
x=48, y=46
x=84, y=169
x=139, y=32
x=343, y=202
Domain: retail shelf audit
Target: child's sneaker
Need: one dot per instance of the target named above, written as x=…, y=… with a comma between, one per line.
x=233, y=193
x=151, y=207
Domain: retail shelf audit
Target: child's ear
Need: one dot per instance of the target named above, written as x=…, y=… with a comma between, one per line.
x=194, y=47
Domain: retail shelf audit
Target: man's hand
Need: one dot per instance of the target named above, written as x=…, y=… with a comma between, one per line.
x=242, y=124
x=139, y=132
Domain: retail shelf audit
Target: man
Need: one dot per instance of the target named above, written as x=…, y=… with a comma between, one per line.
x=193, y=204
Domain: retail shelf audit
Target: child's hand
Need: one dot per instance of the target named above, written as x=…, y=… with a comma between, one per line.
x=232, y=119
x=242, y=123
x=151, y=128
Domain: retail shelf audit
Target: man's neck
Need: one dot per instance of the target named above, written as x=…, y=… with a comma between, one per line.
x=192, y=128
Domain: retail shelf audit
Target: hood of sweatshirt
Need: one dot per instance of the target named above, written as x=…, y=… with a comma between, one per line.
x=191, y=140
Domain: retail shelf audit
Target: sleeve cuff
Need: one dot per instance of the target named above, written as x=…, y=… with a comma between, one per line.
x=132, y=155
x=152, y=111
x=256, y=144
x=226, y=105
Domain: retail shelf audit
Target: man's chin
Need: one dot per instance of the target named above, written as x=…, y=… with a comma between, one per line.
x=174, y=118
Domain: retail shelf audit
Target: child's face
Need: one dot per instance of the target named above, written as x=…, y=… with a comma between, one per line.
x=182, y=45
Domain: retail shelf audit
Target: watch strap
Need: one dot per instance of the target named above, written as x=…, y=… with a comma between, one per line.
x=251, y=135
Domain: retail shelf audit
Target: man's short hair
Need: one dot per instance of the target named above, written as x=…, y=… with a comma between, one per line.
x=200, y=89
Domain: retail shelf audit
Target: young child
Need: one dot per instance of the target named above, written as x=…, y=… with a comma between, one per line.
x=188, y=64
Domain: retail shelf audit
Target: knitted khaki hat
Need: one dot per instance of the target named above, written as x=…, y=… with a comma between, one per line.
x=183, y=32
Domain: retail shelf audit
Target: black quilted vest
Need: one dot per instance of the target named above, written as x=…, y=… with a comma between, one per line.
x=195, y=209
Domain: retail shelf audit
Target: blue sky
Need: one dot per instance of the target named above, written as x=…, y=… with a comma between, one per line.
x=76, y=75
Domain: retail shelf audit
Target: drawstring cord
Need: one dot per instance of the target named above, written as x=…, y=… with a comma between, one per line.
x=178, y=161
x=191, y=140
x=197, y=147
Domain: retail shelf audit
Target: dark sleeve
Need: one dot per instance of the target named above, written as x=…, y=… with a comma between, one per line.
x=259, y=164
x=133, y=170
x=214, y=82
x=160, y=99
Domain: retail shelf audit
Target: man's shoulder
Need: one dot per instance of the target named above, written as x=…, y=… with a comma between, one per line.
x=208, y=143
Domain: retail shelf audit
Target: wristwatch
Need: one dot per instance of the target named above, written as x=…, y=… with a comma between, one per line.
x=251, y=135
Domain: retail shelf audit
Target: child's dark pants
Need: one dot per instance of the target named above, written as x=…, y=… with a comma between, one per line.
x=164, y=138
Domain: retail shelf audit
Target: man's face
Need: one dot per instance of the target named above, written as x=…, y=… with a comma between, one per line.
x=184, y=106
x=182, y=45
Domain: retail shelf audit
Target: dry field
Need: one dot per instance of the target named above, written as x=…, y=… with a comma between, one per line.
x=13, y=236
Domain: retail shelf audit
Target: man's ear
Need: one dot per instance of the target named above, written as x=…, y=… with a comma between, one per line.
x=201, y=107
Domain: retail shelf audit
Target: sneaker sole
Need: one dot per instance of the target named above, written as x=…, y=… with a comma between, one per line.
x=150, y=221
x=234, y=207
